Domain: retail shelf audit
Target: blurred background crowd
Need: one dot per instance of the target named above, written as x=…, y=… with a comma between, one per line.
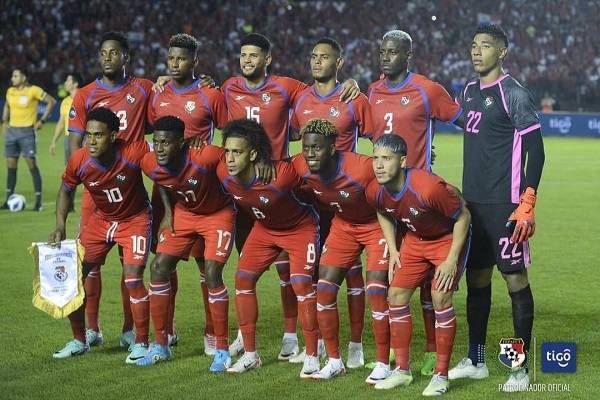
x=554, y=47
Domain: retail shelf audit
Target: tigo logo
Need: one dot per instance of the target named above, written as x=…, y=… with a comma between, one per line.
x=559, y=357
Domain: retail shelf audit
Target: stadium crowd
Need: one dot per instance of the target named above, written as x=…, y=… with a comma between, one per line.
x=554, y=43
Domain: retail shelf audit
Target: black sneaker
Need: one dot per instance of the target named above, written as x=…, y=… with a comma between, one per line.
x=37, y=207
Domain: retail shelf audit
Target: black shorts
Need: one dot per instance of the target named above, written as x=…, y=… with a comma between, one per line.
x=490, y=243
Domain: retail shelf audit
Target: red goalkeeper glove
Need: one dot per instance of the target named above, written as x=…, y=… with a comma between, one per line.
x=522, y=220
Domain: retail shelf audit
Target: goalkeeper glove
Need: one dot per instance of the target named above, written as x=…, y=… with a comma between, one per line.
x=522, y=220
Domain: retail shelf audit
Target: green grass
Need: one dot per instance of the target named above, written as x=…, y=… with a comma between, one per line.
x=561, y=276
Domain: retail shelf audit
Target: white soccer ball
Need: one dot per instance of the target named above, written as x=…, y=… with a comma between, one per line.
x=16, y=202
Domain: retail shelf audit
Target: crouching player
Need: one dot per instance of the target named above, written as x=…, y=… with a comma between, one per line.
x=109, y=170
x=283, y=221
x=436, y=235
x=187, y=177
x=338, y=180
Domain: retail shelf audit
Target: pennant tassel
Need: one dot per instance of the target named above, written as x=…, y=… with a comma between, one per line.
x=57, y=277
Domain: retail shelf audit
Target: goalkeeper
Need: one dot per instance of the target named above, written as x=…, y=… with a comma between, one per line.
x=503, y=161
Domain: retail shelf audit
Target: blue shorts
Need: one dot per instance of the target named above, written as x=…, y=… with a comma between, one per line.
x=20, y=141
x=490, y=242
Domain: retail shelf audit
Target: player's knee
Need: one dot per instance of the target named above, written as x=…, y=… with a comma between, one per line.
x=399, y=295
x=516, y=280
x=441, y=300
x=479, y=278
x=159, y=271
x=213, y=272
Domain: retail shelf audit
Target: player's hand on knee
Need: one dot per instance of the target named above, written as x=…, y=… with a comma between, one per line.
x=522, y=220
x=444, y=275
x=393, y=264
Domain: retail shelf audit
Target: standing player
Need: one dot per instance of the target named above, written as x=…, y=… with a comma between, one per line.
x=202, y=211
x=409, y=104
x=338, y=180
x=283, y=222
x=109, y=168
x=202, y=110
x=20, y=112
x=72, y=84
x=268, y=99
x=352, y=120
x=435, y=236
x=127, y=97
x=503, y=158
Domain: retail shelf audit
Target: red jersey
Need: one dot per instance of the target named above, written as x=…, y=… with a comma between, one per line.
x=351, y=119
x=343, y=193
x=194, y=184
x=410, y=110
x=117, y=190
x=202, y=110
x=129, y=101
x=424, y=205
x=280, y=205
x=269, y=104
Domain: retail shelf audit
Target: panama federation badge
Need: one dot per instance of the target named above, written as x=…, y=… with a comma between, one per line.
x=60, y=273
x=405, y=100
x=511, y=354
x=488, y=102
x=190, y=106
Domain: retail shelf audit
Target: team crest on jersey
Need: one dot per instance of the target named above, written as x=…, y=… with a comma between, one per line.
x=60, y=274
x=190, y=106
x=344, y=194
x=121, y=177
x=72, y=113
x=405, y=100
x=130, y=99
x=263, y=199
x=192, y=182
x=334, y=112
x=266, y=98
x=413, y=212
x=488, y=102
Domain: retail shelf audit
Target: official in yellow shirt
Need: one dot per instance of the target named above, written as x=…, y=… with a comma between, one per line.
x=19, y=126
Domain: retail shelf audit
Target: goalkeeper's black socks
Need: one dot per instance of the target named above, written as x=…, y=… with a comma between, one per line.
x=523, y=313
x=479, y=303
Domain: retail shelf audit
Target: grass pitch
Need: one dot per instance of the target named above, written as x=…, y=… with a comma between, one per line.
x=562, y=277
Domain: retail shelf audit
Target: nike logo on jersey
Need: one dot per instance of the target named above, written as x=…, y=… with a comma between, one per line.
x=379, y=101
x=306, y=112
x=163, y=104
x=238, y=98
x=96, y=183
x=102, y=104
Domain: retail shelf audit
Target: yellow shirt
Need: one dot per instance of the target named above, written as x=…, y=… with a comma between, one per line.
x=65, y=106
x=23, y=105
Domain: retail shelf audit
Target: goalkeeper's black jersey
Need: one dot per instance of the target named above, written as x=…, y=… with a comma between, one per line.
x=496, y=116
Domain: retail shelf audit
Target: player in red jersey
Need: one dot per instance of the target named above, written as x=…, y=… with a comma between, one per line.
x=352, y=120
x=127, y=97
x=283, y=221
x=434, y=235
x=187, y=177
x=409, y=104
x=202, y=110
x=338, y=180
x=109, y=169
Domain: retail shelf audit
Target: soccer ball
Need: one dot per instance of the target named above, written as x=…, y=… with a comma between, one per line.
x=16, y=202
